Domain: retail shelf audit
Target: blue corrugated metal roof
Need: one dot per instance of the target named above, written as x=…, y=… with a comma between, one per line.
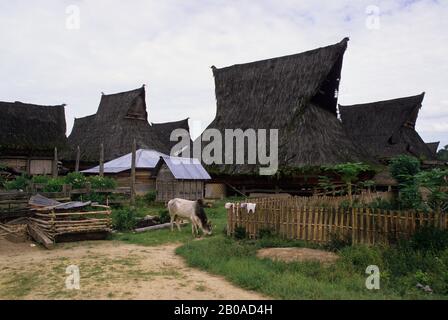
x=181, y=168
x=144, y=159
x=185, y=168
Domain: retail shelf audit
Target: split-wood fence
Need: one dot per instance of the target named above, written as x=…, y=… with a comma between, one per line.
x=291, y=219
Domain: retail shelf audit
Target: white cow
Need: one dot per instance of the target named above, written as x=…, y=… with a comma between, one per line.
x=191, y=210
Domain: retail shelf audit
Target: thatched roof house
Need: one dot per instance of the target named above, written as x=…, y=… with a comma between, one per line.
x=387, y=128
x=296, y=94
x=28, y=135
x=121, y=118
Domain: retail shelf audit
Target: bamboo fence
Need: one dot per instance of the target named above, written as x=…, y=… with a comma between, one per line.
x=291, y=219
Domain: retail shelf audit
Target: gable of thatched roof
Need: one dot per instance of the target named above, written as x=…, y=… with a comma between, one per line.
x=121, y=118
x=28, y=128
x=433, y=146
x=386, y=128
x=295, y=94
x=164, y=130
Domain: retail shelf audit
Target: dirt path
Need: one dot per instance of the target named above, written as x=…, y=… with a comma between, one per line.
x=109, y=270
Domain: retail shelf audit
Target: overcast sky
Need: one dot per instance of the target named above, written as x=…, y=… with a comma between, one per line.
x=170, y=46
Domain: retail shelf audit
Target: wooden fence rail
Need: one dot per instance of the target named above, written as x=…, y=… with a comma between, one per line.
x=317, y=224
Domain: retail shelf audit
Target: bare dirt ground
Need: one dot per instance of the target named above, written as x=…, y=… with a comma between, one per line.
x=109, y=270
x=298, y=254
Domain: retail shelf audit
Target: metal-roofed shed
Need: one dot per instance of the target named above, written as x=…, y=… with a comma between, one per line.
x=180, y=178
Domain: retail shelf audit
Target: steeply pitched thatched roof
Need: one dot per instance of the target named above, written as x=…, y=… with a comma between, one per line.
x=295, y=94
x=27, y=128
x=121, y=117
x=164, y=130
x=433, y=146
x=386, y=128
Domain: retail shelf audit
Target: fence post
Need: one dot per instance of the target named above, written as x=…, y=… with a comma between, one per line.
x=101, y=160
x=353, y=225
x=55, y=163
x=78, y=156
x=134, y=157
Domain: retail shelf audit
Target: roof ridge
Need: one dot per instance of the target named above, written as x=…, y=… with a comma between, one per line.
x=422, y=95
x=124, y=92
x=344, y=43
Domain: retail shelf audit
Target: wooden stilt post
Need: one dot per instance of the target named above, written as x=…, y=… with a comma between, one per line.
x=78, y=155
x=102, y=160
x=55, y=163
x=133, y=164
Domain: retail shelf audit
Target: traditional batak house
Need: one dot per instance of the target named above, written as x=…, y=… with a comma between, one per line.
x=121, y=118
x=296, y=94
x=29, y=135
x=386, y=129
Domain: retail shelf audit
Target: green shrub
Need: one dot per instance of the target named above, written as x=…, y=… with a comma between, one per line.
x=430, y=239
x=40, y=179
x=240, y=233
x=150, y=197
x=265, y=233
x=101, y=183
x=382, y=204
x=19, y=183
x=164, y=216
x=338, y=242
x=95, y=197
x=124, y=219
x=76, y=179
x=54, y=185
x=362, y=256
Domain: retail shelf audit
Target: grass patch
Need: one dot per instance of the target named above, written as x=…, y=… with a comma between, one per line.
x=237, y=261
x=401, y=266
x=217, y=215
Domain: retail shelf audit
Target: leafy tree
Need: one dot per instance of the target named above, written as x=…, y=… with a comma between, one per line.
x=436, y=181
x=349, y=172
x=403, y=168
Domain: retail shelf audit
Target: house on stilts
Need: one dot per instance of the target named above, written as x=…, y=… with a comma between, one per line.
x=296, y=94
x=121, y=118
x=29, y=135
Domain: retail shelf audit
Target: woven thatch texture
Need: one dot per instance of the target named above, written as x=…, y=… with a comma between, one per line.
x=386, y=128
x=28, y=128
x=295, y=94
x=120, y=118
x=164, y=130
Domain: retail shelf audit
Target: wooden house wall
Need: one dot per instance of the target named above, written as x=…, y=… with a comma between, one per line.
x=144, y=180
x=168, y=187
x=31, y=166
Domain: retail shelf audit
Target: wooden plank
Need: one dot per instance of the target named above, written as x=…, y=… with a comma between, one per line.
x=40, y=237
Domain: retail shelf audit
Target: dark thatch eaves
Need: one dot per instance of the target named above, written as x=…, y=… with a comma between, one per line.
x=296, y=94
x=386, y=129
x=121, y=118
x=28, y=129
x=433, y=146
